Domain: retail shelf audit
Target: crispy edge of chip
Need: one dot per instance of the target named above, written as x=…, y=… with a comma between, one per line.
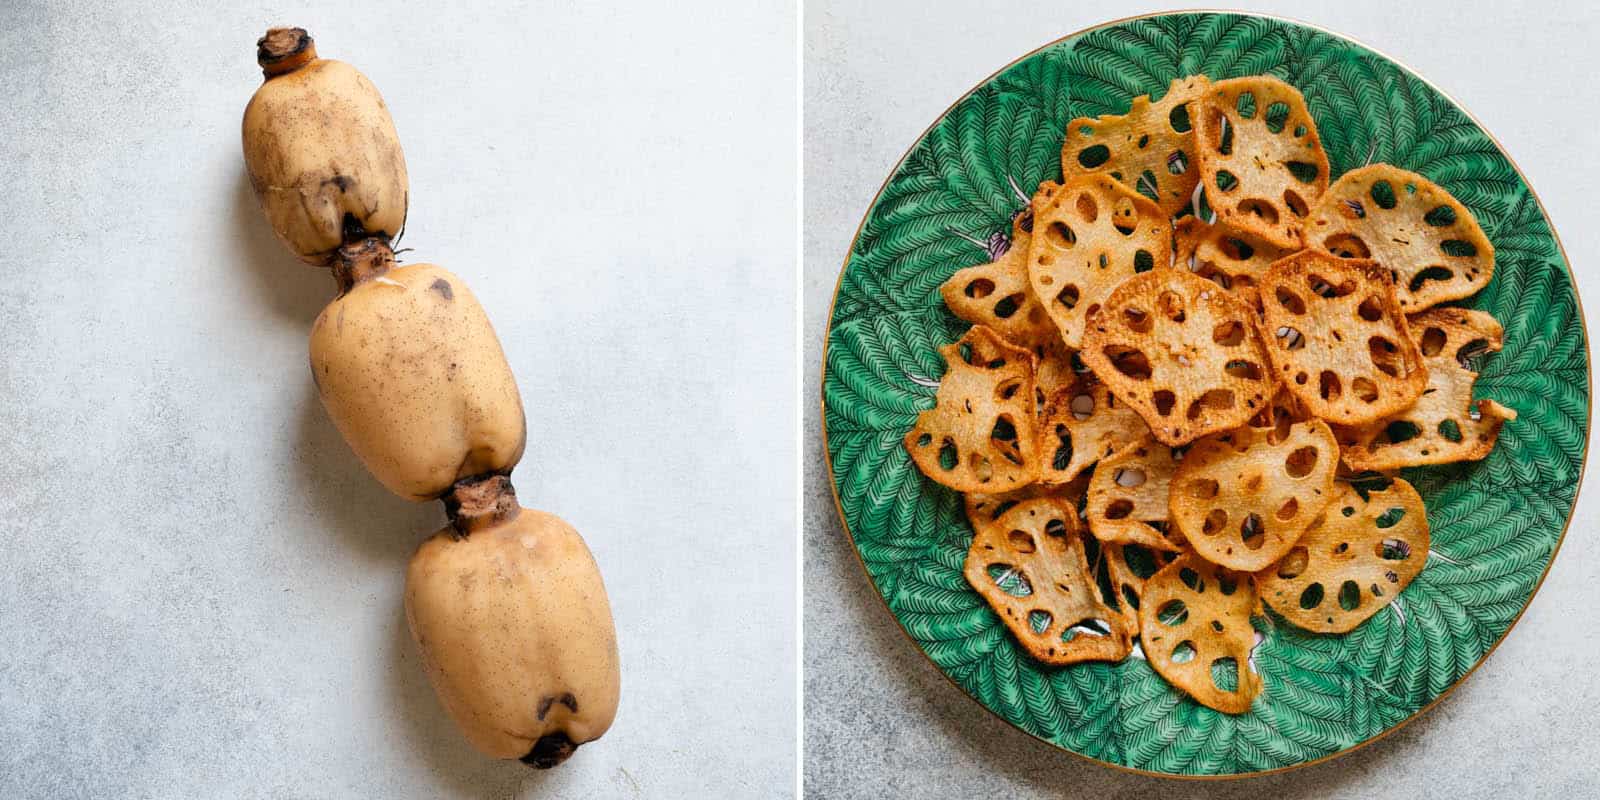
x=1119, y=514
x=1065, y=262
x=1153, y=121
x=1349, y=209
x=1287, y=285
x=1450, y=400
x=1109, y=425
x=1057, y=572
x=1006, y=277
x=1286, y=229
x=1341, y=548
x=1017, y=366
x=1227, y=479
x=1205, y=611
x=1110, y=329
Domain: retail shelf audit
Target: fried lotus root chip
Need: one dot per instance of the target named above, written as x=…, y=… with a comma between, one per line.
x=1194, y=625
x=1127, y=567
x=1445, y=425
x=1090, y=234
x=1029, y=565
x=1353, y=562
x=1150, y=149
x=1231, y=259
x=1337, y=338
x=980, y=434
x=1128, y=497
x=997, y=295
x=1411, y=226
x=1081, y=425
x=1261, y=160
x=1180, y=351
x=1244, y=497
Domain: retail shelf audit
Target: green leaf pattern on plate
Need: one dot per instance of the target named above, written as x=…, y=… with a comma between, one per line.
x=1495, y=524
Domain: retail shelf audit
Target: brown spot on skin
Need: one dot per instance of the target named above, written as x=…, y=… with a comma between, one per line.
x=565, y=698
x=342, y=182
x=442, y=286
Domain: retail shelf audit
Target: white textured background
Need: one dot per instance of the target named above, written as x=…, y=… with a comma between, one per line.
x=880, y=719
x=199, y=584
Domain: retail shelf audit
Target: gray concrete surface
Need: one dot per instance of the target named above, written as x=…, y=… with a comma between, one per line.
x=880, y=721
x=201, y=591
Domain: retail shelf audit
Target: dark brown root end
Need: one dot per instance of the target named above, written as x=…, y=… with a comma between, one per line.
x=362, y=260
x=285, y=50
x=550, y=751
x=480, y=502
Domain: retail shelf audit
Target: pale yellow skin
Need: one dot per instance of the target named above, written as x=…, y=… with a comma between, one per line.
x=513, y=621
x=412, y=374
x=319, y=144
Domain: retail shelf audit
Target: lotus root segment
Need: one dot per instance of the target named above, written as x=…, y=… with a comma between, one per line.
x=984, y=509
x=321, y=151
x=1446, y=425
x=1337, y=338
x=1430, y=243
x=1150, y=149
x=979, y=436
x=412, y=374
x=996, y=294
x=1231, y=259
x=1128, y=497
x=1128, y=567
x=1081, y=425
x=1182, y=352
x=1194, y=625
x=1242, y=498
x=1261, y=160
x=1354, y=561
x=1089, y=235
x=1030, y=566
x=516, y=636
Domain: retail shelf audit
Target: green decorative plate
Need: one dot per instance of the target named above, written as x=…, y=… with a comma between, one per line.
x=1496, y=524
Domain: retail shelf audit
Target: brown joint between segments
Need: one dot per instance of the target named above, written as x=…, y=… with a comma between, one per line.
x=285, y=50
x=360, y=261
x=480, y=502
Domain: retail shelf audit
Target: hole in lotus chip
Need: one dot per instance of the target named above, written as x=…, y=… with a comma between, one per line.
x=1164, y=400
x=1349, y=595
x=1294, y=563
x=1129, y=478
x=1192, y=580
x=1434, y=273
x=1059, y=235
x=1203, y=488
x=1289, y=301
x=1311, y=597
x=1171, y=305
x=1371, y=309
x=1383, y=194
x=1088, y=209
x=980, y=288
x=1094, y=156
x=1214, y=400
x=1129, y=362
x=1173, y=612
x=1329, y=386
x=1296, y=204
x=1068, y=296
x=1183, y=653
x=1365, y=389
x=1137, y=320
x=1243, y=370
x=1252, y=533
x=1229, y=334
x=1261, y=209
x=1288, y=510
x=1010, y=580
x=1022, y=542
x=1039, y=621
x=1215, y=521
x=1119, y=509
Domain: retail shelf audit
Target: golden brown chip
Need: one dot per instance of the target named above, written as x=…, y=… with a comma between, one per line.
x=1150, y=149
x=1337, y=338
x=980, y=435
x=1445, y=425
x=1081, y=425
x=1194, y=626
x=1353, y=562
x=1430, y=243
x=1090, y=234
x=1231, y=259
x=1054, y=369
x=1128, y=496
x=1030, y=567
x=997, y=294
x=983, y=508
x=1182, y=352
x=1261, y=160
x=1243, y=498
